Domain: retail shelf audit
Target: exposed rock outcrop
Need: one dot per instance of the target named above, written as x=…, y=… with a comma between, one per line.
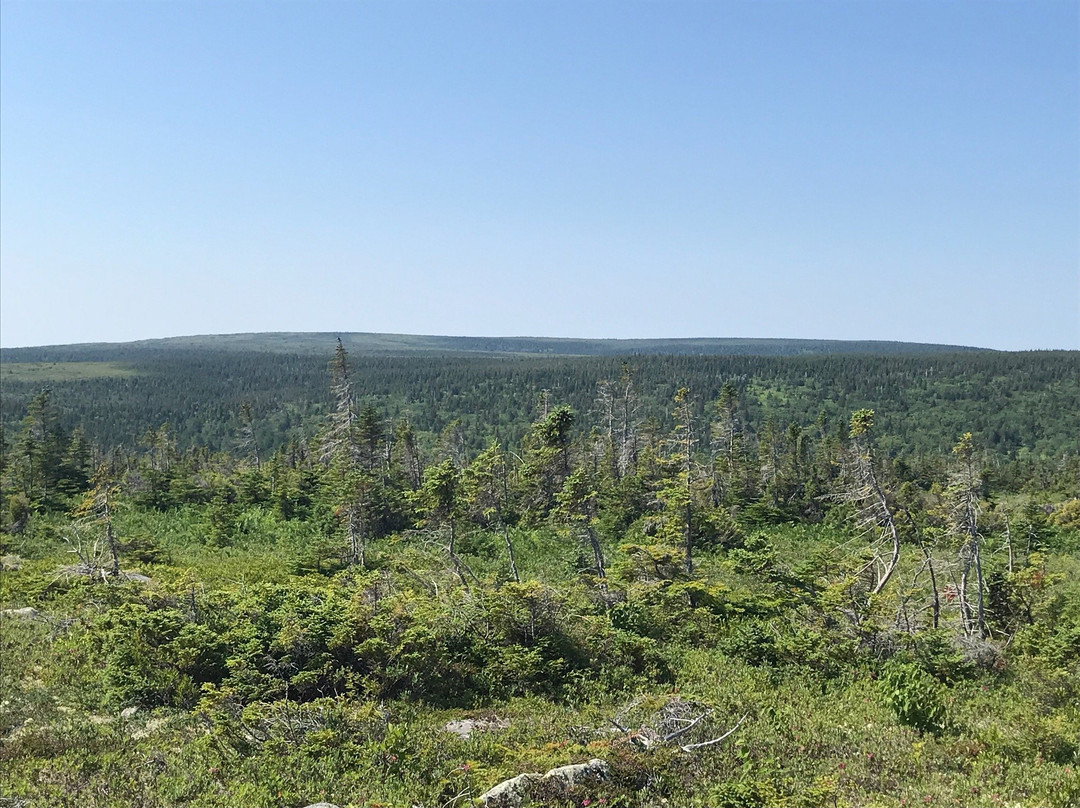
x=578, y=774
x=513, y=792
x=464, y=727
x=26, y=613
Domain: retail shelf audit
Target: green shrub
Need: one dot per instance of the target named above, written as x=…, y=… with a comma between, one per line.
x=915, y=696
x=752, y=641
x=754, y=794
x=159, y=657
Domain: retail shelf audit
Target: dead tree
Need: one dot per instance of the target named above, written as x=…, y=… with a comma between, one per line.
x=340, y=437
x=963, y=492
x=725, y=443
x=684, y=441
x=873, y=513
x=248, y=443
x=96, y=512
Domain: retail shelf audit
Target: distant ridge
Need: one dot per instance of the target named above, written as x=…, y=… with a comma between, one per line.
x=363, y=343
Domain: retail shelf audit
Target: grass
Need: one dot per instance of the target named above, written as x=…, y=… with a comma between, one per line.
x=62, y=371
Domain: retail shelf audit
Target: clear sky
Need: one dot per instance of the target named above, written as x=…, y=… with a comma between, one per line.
x=852, y=170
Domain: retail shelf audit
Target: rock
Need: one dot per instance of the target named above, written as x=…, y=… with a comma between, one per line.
x=24, y=729
x=137, y=577
x=152, y=726
x=10, y=562
x=578, y=773
x=26, y=613
x=128, y=713
x=464, y=727
x=510, y=792
x=321, y=805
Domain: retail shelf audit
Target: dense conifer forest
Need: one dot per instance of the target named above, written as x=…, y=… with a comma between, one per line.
x=1016, y=404
x=263, y=575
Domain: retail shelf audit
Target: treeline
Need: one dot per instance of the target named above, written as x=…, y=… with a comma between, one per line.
x=400, y=345
x=1018, y=405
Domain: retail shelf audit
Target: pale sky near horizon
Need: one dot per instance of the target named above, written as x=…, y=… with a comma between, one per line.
x=846, y=170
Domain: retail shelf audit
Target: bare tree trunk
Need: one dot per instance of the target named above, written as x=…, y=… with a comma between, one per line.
x=1008, y=541
x=505, y=495
x=510, y=552
x=865, y=492
x=110, y=537
x=627, y=455
x=458, y=567
x=961, y=595
x=605, y=398
x=965, y=490
x=686, y=442
x=933, y=585
x=598, y=552
x=890, y=526
x=982, y=584
x=928, y=562
x=689, y=537
x=971, y=557
x=357, y=535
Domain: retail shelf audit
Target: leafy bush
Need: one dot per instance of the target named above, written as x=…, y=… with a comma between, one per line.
x=916, y=697
x=753, y=794
x=159, y=657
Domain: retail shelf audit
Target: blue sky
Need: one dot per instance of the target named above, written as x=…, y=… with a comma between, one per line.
x=852, y=170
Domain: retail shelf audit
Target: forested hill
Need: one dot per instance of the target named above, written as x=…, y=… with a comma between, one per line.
x=359, y=344
x=1017, y=404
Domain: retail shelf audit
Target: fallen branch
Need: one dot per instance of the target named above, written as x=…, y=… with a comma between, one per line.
x=672, y=736
x=691, y=747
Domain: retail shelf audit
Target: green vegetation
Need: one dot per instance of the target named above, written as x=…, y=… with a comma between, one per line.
x=39, y=373
x=760, y=597
x=413, y=344
x=1019, y=406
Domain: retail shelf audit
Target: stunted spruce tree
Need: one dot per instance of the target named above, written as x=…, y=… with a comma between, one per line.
x=341, y=449
x=873, y=511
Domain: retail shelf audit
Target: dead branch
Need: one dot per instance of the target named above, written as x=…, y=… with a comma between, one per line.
x=674, y=720
x=691, y=747
x=679, y=732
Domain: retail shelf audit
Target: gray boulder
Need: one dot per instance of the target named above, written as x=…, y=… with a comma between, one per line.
x=513, y=792
x=510, y=792
x=25, y=613
x=578, y=773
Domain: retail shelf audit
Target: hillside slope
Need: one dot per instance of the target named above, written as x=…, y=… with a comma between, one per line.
x=360, y=344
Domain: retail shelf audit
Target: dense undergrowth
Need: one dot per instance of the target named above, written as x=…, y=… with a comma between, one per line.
x=262, y=686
